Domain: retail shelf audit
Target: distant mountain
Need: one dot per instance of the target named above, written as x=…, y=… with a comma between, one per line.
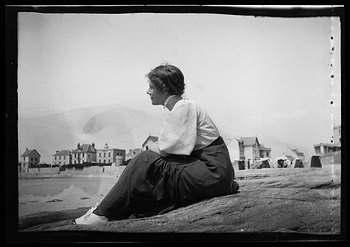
x=118, y=125
x=125, y=125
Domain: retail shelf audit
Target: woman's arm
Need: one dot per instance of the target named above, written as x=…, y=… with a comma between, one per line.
x=153, y=147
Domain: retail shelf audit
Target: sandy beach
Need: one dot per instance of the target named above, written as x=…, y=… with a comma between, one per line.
x=88, y=189
x=77, y=191
x=290, y=204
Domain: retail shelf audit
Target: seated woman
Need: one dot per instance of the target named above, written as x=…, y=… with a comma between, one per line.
x=190, y=162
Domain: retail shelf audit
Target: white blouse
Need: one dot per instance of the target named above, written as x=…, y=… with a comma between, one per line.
x=188, y=127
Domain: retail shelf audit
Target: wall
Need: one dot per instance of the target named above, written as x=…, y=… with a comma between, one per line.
x=92, y=170
x=60, y=160
x=337, y=134
x=248, y=153
x=331, y=158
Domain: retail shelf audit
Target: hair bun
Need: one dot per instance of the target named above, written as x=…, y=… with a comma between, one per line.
x=168, y=78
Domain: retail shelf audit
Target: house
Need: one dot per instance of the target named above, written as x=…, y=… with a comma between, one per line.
x=264, y=152
x=29, y=159
x=85, y=153
x=334, y=146
x=250, y=151
x=325, y=148
x=110, y=155
x=61, y=158
x=149, y=139
x=337, y=134
x=330, y=153
x=132, y=153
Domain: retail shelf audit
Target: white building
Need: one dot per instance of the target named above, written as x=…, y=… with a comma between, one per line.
x=61, y=158
x=29, y=159
x=110, y=155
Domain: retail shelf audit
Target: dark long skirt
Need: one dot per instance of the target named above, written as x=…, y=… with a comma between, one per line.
x=152, y=184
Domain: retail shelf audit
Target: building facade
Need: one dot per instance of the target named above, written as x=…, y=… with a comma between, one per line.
x=326, y=148
x=337, y=134
x=149, y=139
x=29, y=159
x=110, y=155
x=334, y=146
x=61, y=158
x=85, y=153
x=250, y=151
x=132, y=153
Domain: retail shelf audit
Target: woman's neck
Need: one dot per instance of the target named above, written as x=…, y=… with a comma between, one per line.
x=171, y=101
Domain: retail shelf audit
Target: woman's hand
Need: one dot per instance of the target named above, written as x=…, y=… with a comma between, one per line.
x=153, y=147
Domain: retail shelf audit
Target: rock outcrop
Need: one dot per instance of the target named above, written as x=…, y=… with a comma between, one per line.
x=269, y=200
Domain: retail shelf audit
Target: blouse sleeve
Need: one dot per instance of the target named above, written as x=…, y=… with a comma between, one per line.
x=179, y=130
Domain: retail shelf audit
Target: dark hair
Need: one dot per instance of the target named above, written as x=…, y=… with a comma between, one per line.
x=167, y=78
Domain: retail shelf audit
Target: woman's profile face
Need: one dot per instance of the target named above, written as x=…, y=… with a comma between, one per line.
x=157, y=97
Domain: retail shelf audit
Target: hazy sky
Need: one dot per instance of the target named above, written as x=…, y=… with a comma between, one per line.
x=254, y=75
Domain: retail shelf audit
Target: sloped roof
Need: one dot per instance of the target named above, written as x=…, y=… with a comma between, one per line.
x=264, y=148
x=249, y=141
x=85, y=148
x=29, y=152
x=62, y=153
x=151, y=138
